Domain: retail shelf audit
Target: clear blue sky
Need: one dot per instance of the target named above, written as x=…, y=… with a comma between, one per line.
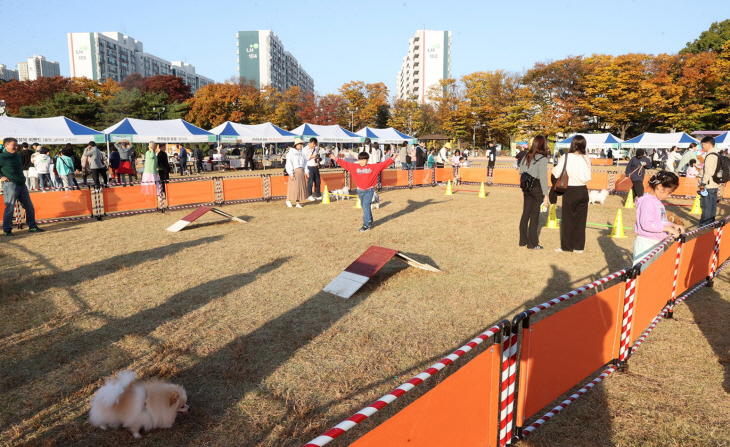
x=341, y=41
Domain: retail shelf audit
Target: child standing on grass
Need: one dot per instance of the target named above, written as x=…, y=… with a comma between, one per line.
x=366, y=179
x=652, y=225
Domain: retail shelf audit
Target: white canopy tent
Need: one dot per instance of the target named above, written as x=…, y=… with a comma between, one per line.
x=230, y=132
x=327, y=134
x=594, y=141
x=58, y=130
x=164, y=131
x=385, y=136
x=650, y=140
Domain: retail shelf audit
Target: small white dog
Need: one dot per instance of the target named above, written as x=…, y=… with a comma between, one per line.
x=342, y=194
x=597, y=196
x=137, y=404
x=376, y=200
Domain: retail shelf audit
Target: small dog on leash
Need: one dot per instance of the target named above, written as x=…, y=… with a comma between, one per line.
x=137, y=404
x=597, y=196
x=376, y=201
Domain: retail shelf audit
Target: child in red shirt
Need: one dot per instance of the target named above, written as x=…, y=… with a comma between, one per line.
x=366, y=179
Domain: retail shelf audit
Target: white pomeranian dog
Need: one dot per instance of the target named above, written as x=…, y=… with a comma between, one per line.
x=137, y=404
x=597, y=196
x=342, y=194
x=376, y=200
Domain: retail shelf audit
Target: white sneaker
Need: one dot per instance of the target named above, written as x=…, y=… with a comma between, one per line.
x=299, y=205
x=288, y=203
x=311, y=198
x=319, y=198
x=559, y=250
x=577, y=251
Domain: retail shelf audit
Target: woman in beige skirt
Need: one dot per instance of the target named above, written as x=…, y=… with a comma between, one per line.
x=296, y=167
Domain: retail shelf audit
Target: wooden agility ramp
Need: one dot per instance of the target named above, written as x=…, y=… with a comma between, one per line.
x=192, y=217
x=365, y=267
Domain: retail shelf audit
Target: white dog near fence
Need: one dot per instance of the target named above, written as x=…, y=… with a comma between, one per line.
x=598, y=196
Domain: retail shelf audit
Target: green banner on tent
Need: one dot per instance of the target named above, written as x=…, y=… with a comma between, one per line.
x=99, y=138
x=211, y=138
x=118, y=138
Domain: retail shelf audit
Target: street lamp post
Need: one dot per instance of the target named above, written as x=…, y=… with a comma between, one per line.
x=159, y=112
x=352, y=117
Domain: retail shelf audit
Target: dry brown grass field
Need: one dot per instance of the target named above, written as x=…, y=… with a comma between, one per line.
x=236, y=314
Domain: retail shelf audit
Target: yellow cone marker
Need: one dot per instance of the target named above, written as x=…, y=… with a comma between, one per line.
x=552, y=222
x=482, y=194
x=630, y=199
x=448, y=189
x=326, y=198
x=358, y=206
x=617, y=230
x=697, y=207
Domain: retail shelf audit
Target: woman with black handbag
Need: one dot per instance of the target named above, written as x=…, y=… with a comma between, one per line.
x=577, y=166
x=534, y=184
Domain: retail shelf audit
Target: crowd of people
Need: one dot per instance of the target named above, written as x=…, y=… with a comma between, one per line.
x=652, y=225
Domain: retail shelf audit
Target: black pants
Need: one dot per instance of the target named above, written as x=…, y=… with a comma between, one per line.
x=164, y=178
x=199, y=165
x=248, y=164
x=315, y=179
x=638, y=188
x=575, y=215
x=183, y=165
x=531, y=216
x=95, y=175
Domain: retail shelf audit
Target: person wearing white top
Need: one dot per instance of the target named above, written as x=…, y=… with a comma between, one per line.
x=575, y=199
x=296, y=167
x=443, y=156
x=375, y=153
x=43, y=164
x=673, y=157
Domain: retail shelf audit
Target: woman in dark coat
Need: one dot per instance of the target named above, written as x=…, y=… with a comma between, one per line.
x=636, y=170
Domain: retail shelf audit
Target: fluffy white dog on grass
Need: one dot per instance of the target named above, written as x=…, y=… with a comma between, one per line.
x=597, y=196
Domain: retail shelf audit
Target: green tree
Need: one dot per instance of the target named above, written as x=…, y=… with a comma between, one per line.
x=710, y=40
x=74, y=106
x=134, y=104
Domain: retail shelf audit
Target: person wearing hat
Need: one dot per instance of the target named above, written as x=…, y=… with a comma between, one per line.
x=443, y=156
x=296, y=168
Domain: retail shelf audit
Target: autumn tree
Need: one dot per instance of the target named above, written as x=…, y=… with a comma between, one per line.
x=369, y=102
x=234, y=100
x=616, y=97
x=29, y=93
x=333, y=110
x=287, y=111
x=721, y=70
x=133, y=81
x=555, y=91
x=452, y=111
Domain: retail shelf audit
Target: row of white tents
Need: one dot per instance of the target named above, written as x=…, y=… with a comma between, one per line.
x=61, y=130
x=646, y=140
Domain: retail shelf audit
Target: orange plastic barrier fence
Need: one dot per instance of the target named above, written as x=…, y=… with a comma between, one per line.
x=694, y=262
x=599, y=180
x=444, y=174
x=333, y=180
x=422, y=176
x=506, y=176
x=460, y=411
x=56, y=204
x=687, y=187
x=653, y=290
x=278, y=185
x=128, y=198
x=725, y=192
x=243, y=188
x=476, y=175
x=566, y=347
x=188, y=193
x=394, y=177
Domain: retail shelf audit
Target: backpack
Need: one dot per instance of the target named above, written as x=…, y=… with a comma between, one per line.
x=722, y=171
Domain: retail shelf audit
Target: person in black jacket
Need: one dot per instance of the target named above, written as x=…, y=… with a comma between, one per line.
x=198, y=155
x=163, y=166
x=25, y=162
x=250, y=151
x=420, y=156
x=636, y=170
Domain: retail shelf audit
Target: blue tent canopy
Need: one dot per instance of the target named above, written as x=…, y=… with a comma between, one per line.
x=660, y=140
x=327, y=134
x=594, y=141
x=387, y=136
x=56, y=130
x=164, y=131
x=722, y=141
x=230, y=132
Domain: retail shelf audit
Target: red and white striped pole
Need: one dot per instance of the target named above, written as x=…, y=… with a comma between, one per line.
x=716, y=253
x=507, y=391
x=628, y=315
x=680, y=243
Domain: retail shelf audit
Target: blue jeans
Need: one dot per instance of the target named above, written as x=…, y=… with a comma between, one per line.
x=13, y=192
x=404, y=165
x=366, y=198
x=44, y=180
x=709, y=207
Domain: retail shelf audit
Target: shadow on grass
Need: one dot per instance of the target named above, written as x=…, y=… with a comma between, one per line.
x=67, y=279
x=25, y=369
x=411, y=207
